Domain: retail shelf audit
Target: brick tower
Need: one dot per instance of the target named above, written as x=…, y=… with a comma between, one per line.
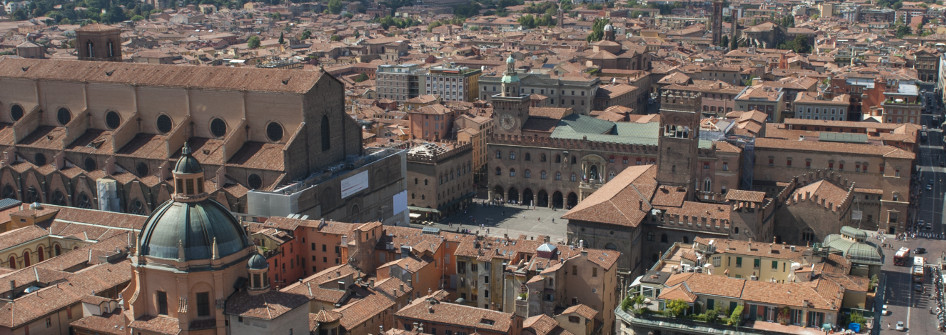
x=678, y=140
x=717, y=21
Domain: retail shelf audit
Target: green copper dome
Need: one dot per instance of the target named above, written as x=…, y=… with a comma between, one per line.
x=192, y=228
x=187, y=164
x=507, y=79
x=257, y=262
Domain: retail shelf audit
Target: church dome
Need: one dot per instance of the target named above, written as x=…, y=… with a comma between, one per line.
x=510, y=60
x=193, y=228
x=257, y=262
x=608, y=27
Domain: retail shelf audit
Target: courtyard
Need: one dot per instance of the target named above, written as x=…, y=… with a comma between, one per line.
x=513, y=220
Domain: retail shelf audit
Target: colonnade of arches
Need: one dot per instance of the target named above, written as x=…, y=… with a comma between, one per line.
x=18, y=261
x=542, y=198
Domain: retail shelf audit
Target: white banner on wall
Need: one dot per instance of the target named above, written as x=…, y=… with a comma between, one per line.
x=399, y=202
x=354, y=184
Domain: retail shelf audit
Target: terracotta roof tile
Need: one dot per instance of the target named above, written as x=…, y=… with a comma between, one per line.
x=679, y=292
x=357, y=312
x=425, y=309
x=622, y=201
x=581, y=309
x=109, y=323
x=833, y=147
x=743, y=195
x=267, y=306
x=159, y=324
x=203, y=77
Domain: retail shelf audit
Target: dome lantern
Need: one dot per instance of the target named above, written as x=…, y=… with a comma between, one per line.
x=188, y=178
x=258, y=268
x=510, y=79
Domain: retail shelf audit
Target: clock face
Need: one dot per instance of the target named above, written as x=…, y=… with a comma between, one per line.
x=507, y=122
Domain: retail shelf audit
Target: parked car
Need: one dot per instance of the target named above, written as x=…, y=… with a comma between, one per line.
x=920, y=250
x=900, y=326
x=918, y=287
x=885, y=311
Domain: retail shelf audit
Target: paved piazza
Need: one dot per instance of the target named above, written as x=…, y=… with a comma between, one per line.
x=514, y=220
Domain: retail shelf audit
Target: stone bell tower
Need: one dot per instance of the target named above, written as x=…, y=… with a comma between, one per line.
x=679, y=139
x=99, y=42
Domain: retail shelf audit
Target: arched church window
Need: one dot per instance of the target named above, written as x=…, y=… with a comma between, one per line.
x=164, y=124
x=218, y=128
x=63, y=116
x=326, y=135
x=112, y=119
x=16, y=112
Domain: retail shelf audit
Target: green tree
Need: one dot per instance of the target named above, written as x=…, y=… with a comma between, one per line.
x=626, y=304
x=677, y=308
x=19, y=14
x=335, y=38
x=545, y=20
x=710, y=315
x=253, y=42
x=527, y=21
x=114, y=14
x=857, y=317
x=306, y=34
x=334, y=6
x=360, y=78
x=638, y=300
x=800, y=44
x=468, y=9
x=597, y=30
x=389, y=21
x=736, y=318
x=901, y=30
x=282, y=40
x=135, y=18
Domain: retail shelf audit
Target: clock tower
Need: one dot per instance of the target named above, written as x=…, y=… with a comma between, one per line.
x=510, y=107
